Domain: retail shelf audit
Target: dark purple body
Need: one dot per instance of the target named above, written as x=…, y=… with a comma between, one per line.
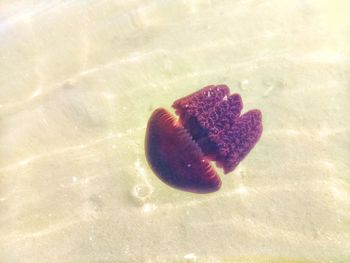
x=210, y=128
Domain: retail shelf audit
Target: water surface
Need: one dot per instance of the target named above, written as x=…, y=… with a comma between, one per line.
x=78, y=82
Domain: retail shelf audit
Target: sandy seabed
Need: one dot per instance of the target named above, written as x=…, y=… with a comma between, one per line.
x=78, y=82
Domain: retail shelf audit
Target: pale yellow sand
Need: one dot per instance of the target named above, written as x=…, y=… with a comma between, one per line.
x=78, y=81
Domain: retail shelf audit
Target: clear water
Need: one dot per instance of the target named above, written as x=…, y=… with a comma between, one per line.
x=78, y=81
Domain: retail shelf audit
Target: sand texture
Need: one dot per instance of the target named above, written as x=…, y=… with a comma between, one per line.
x=78, y=82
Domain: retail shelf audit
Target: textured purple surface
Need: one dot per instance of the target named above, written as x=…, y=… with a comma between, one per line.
x=210, y=128
x=213, y=117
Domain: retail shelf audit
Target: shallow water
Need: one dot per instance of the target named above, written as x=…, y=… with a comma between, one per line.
x=78, y=82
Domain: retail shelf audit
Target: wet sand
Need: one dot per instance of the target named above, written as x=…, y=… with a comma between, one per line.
x=78, y=82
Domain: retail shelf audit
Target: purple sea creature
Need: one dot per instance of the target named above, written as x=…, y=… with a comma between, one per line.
x=210, y=127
